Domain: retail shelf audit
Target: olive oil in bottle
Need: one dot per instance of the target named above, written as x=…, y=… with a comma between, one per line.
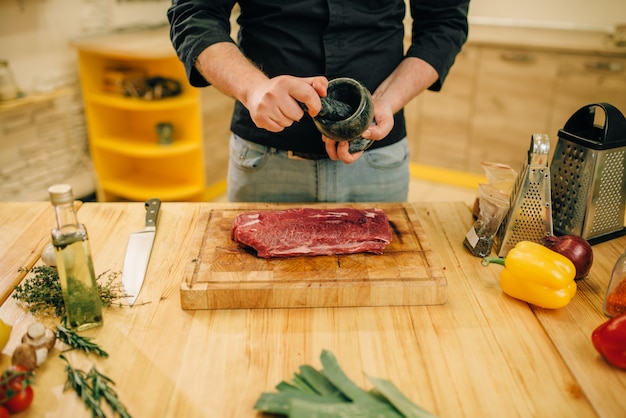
x=83, y=307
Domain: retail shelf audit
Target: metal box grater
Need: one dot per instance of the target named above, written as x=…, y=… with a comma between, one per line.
x=529, y=217
x=589, y=174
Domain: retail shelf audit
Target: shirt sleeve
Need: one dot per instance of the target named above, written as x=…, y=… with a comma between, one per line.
x=196, y=25
x=439, y=31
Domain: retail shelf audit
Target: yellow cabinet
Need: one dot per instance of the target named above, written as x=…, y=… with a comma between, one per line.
x=143, y=118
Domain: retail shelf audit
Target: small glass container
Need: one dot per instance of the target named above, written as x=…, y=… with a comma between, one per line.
x=615, y=298
x=165, y=133
x=83, y=307
x=493, y=206
x=8, y=88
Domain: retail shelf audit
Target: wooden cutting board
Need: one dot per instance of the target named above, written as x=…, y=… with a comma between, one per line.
x=221, y=275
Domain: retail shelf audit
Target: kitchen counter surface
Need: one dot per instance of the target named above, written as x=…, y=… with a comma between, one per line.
x=564, y=40
x=480, y=354
x=142, y=43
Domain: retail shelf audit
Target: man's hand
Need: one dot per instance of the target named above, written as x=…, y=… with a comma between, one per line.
x=273, y=104
x=379, y=129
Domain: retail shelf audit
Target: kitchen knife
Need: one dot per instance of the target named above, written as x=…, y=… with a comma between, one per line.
x=138, y=253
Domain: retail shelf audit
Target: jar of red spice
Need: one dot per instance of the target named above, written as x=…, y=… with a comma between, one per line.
x=615, y=299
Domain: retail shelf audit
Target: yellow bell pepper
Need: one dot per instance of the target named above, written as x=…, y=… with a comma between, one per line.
x=537, y=275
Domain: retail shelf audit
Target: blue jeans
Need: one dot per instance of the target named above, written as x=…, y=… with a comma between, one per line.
x=257, y=173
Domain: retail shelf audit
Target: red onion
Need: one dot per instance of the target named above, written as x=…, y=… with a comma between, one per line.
x=575, y=248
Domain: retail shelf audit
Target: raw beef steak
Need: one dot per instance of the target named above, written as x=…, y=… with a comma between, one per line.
x=307, y=231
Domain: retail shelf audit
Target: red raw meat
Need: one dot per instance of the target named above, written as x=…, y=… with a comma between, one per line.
x=307, y=231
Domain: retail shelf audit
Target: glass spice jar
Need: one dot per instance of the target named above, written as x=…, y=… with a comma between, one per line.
x=615, y=298
x=8, y=88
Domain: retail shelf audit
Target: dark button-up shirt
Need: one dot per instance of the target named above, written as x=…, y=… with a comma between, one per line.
x=361, y=39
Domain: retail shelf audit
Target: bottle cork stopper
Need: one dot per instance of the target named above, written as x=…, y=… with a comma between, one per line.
x=61, y=193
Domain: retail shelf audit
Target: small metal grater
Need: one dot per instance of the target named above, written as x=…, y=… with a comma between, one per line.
x=589, y=174
x=530, y=215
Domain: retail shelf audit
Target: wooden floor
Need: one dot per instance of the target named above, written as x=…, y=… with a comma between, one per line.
x=431, y=191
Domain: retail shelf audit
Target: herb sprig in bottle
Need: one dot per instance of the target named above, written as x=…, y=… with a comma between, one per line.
x=83, y=307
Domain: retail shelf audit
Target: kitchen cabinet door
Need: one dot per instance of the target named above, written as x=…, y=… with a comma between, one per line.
x=586, y=79
x=217, y=109
x=513, y=100
x=438, y=122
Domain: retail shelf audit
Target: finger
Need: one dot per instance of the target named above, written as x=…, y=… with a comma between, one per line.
x=273, y=124
x=310, y=92
x=382, y=124
x=320, y=84
x=291, y=111
x=377, y=131
x=343, y=152
x=350, y=158
x=331, y=148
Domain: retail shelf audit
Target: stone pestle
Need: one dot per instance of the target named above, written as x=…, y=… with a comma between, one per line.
x=333, y=110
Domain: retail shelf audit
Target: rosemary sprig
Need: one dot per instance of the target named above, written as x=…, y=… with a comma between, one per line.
x=74, y=340
x=41, y=291
x=91, y=388
x=77, y=380
x=101, y=387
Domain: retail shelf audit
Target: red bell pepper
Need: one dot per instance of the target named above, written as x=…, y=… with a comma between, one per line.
x=610, y=340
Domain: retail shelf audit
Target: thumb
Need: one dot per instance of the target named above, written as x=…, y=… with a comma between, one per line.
x=320, y=84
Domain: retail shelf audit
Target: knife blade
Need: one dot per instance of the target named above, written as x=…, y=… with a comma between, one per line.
x=138, y=253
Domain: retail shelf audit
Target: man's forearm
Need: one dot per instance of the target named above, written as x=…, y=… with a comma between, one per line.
x=409, y=79
x=227, y=69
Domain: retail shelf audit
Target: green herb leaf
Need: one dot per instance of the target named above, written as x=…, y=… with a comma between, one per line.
x=329, y=393
x=101, y=387
x=318, y=381
x=74, y=340
x=280, y=403
x=91, y=388
x=41, y=291
x=77, y=380
x=398, y=399
x=338, y=378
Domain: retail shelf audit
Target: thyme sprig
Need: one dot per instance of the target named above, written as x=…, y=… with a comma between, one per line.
x=41, y=293
x=41, y=290
x=92, y=387
x=79, y=342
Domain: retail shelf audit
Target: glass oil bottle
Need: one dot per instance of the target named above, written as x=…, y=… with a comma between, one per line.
x=83, y=307
x=615, y=298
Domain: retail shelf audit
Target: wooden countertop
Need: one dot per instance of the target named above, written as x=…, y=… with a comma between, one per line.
x=151, y=43
x=155, y=42
x=480, y=354
x=550, y=39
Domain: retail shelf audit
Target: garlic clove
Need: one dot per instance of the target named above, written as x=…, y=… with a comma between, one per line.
x=48, y=256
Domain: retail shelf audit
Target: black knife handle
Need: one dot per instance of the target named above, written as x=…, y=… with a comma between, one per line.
x=152, y=211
